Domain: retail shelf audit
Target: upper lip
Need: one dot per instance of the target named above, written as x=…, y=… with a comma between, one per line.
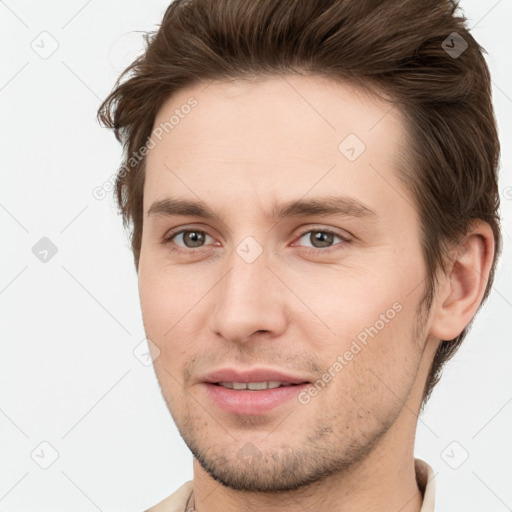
x=252, y=375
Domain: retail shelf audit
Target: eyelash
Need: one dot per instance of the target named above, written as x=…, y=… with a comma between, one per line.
x=309, y=250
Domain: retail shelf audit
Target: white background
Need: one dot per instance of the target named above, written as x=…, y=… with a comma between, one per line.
x=68, y=327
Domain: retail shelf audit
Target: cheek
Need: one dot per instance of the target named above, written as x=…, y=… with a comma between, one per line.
x=371, y=372
x=167, y=294
x=373, y=316
x=170, y=303
x=349, y=301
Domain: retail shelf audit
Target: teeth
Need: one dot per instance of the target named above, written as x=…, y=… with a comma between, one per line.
x=254, y=386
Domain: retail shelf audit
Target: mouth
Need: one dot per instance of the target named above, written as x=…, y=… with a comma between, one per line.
x=254, y=386
x=252, y=398
x=252, y=391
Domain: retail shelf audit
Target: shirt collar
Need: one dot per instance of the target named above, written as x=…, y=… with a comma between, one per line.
x=426, y=483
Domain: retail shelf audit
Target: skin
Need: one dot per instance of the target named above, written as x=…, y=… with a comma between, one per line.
x=246, y=146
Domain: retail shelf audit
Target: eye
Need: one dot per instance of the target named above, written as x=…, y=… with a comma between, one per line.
x=188, y=239
x=322, y=240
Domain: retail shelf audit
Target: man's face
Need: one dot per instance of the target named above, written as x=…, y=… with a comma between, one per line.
x=297, y=293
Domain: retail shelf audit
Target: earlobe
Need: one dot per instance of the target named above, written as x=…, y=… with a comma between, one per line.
x=462, y=288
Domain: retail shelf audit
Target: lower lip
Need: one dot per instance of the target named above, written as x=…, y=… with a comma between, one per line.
x=251, y=402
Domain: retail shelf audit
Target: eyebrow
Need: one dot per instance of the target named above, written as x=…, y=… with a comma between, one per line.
x=330, y=205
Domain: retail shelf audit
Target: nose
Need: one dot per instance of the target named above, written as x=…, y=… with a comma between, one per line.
x=248, y=302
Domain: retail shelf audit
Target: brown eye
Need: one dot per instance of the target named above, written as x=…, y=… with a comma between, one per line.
x=321, y=238
x=189, y=239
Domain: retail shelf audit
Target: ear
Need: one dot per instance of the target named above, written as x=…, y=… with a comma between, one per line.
x=461, y=289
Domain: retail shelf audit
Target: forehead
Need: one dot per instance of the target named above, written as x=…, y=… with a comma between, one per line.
x=273, y=138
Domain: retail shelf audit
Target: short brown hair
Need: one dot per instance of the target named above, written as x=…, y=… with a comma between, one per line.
x=396, y=47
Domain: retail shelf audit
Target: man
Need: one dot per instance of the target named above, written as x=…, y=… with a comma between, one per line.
x=313, y=193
